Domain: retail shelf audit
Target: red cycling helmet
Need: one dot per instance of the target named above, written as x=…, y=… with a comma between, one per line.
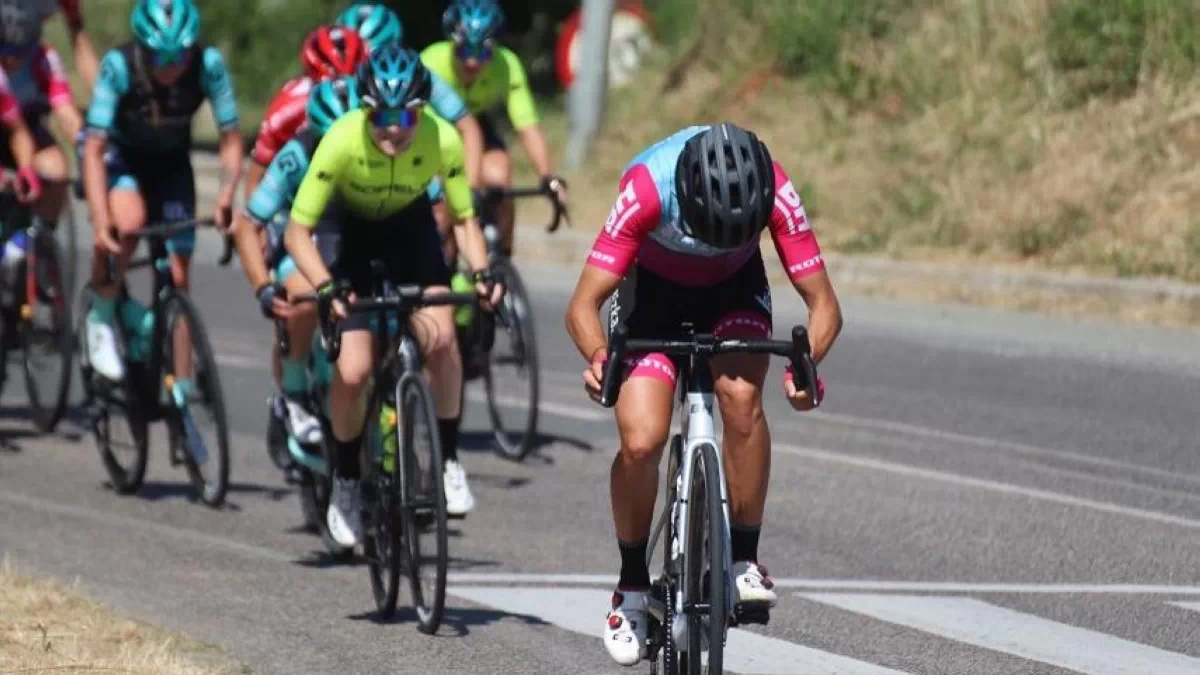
x=332, y=51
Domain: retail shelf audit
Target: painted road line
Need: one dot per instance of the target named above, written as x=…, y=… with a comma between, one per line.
x=1028, y=636
x=850, y=585
x=551, y=407
x=1190, y=606
x=985, y=484
x=582, y=611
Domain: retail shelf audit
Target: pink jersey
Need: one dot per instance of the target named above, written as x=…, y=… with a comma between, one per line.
x=642, y=228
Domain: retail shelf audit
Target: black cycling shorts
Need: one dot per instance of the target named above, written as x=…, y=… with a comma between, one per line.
x=405, y=245
x=652, y=307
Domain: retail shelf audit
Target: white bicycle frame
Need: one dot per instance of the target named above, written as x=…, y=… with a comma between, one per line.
x=698, y=428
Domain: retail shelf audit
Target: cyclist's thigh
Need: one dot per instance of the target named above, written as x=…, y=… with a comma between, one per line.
x=126, y=206
x=171, y=198
x=648, y=306
x=740, y=307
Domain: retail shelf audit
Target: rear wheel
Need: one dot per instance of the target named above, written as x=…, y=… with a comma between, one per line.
x=511, y=373
x=704, y=572
x=199, y=407
x=116, y=414
x=44, y=332
x=424, y=504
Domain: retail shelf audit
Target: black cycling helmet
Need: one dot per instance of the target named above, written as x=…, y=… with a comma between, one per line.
x=725, y=182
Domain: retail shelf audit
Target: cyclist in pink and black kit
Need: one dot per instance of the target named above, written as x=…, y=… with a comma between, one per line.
x=18, y=148
x=681, y=244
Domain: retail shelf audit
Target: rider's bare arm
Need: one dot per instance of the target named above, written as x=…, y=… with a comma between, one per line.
x=595, y=285
x=472, y=139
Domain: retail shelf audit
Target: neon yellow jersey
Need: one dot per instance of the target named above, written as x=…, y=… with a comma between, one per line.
x=502, y=81
x=372, y=185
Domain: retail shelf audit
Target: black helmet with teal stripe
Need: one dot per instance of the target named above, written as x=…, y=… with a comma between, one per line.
x=374, y=23
x=393, y=77
x=473, y=21
x=165, y=25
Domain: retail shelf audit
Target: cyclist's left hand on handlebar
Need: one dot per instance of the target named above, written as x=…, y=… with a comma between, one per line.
x=28, y=186
x=556, y=185
x=223, y=218
x=800, y=399
x=489, y=290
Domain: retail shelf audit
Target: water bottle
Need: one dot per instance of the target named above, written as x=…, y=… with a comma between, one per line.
x=10, y=266
x=391, y=440
x=138, y=321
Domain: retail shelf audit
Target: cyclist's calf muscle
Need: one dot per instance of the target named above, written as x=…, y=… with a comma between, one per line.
x=643, y=423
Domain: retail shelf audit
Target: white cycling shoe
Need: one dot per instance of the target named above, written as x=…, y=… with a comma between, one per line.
x=301, y=424
x=459, y=500
x=102, y=353
x=345, y=512
x=754, y=585
x=625, y=627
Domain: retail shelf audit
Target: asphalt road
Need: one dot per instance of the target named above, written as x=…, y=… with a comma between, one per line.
x=982, y=493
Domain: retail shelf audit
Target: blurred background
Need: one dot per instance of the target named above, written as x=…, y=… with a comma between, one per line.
x=1058, y=133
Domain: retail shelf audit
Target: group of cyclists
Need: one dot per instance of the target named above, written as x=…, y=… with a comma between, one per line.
x=376, y=153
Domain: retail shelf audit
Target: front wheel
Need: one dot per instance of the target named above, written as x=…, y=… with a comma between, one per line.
x=424, y=503
x=381, y=494
x=511, y=374
x=194, y=394
x=704, y=570
x=44, y=332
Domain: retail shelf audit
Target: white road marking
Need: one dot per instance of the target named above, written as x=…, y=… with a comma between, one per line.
x=985, y=484
x=582, y=611
x=1025, y=635
x=983, y=441
x=551, y=407
x=1192, y=606
x=609, y=580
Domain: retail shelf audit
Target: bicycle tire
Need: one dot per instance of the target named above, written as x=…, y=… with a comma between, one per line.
x=668, y=650
x=65, y=230
x=705, y=518
x=47, y=267
x=381, y=527
x=124, y=478
x=208, y=385
x=423, y=491
x=515, y=444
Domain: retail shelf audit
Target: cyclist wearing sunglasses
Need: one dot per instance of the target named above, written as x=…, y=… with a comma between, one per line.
x=487, y=76
x=266, y=215
x=372, y=171
x=136, y=148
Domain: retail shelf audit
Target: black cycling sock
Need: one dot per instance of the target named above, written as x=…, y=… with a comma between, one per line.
x=744, y=542
x=448, y=431
x=635, y=573
x=347, y=451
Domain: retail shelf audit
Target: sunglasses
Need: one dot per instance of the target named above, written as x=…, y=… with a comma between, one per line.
x=479, y=52
x=405, y=118
x=161, y=58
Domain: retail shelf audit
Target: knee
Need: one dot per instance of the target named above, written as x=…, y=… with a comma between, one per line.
x=741, y=406
x=497, y=169
x=353, y=370
x=51, y=164
x=643, y=443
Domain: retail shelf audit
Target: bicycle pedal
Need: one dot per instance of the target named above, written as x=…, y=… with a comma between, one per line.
x=750, y=615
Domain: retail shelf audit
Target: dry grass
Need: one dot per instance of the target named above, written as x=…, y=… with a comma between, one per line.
x=951, y=139
x=46, y=627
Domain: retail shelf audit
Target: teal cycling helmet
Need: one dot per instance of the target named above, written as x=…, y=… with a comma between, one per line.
x=166, y=25
x=393, y=77
x=329, y=100
x=375, y=23
x=473, y=21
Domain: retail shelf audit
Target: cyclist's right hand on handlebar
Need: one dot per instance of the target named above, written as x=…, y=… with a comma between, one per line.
x=106, y=237
x=594, y=375
x=272, y=300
